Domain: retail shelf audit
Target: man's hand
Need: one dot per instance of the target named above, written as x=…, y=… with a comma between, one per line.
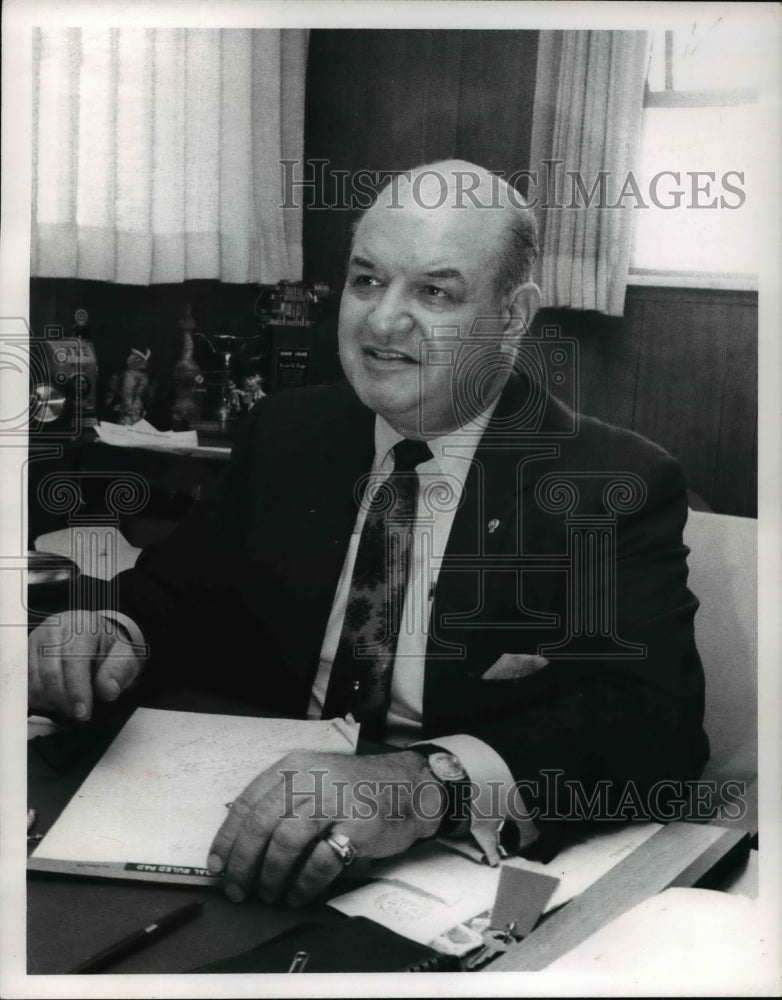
x=273, y=841
x=76, y=657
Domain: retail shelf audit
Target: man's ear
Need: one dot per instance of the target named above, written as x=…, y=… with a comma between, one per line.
x=523, y=303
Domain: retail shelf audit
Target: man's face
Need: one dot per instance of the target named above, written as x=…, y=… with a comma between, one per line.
x=422, y=336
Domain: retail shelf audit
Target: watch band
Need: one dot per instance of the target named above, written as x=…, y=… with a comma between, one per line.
x=454, y=779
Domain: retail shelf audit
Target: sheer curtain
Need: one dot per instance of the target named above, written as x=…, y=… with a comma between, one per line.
x=588, y=111
x=156, y=153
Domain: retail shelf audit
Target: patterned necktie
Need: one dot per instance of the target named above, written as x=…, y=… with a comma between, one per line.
x=360, y=680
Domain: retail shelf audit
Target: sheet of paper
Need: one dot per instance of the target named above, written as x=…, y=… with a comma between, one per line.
x=708, y=938
x=159, y=793
x=410, y=912
x=446, y=876
x=578, y=866
x=100, y=550
x=432, y=887
x=144, y=435
x=425, y=893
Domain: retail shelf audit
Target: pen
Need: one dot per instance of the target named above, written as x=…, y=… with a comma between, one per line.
x=138, y=939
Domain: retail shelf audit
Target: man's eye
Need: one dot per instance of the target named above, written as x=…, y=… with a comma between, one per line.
x=436, y=293
x=365, y=281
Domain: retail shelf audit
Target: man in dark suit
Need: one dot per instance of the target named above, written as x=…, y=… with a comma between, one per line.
x=516, y=618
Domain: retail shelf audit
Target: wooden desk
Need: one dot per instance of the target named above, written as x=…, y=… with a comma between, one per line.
x=159, y=486
x=172, y=472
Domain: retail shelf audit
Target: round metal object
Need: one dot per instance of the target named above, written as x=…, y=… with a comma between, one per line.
x=46, y=403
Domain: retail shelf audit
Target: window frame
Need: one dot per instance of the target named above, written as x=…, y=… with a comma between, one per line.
x=728, y=97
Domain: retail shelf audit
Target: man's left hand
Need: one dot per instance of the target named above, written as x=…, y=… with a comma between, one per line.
x=273, y=841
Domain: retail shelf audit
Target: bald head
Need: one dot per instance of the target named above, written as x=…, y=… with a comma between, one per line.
x=445, y=192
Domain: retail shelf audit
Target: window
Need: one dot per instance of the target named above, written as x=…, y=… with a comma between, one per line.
x=700, y=155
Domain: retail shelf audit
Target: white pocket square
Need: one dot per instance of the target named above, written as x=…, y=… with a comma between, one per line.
x=514, y=666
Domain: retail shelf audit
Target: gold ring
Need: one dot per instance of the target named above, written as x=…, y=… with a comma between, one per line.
x=342, y=847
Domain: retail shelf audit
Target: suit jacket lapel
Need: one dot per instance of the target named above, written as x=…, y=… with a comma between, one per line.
x=515, y=445
x=505, y=463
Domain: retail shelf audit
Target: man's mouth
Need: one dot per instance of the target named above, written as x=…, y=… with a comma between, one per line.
x=388, y=355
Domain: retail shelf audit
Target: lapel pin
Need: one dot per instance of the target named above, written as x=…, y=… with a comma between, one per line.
x=493, y=525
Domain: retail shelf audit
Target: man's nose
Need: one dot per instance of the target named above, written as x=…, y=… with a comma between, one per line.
x=391, y=314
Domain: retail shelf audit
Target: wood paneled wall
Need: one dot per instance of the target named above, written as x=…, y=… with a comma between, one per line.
x=390, y=100
x=680, y=368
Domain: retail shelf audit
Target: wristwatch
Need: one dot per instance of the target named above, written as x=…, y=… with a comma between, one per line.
x=450, y=772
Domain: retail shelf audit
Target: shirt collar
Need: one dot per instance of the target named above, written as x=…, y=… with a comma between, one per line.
x=452, y=452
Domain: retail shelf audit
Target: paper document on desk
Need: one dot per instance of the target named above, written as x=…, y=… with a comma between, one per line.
x=432, y=888
x=143, y=435
x=151, y=806
x=99, y=550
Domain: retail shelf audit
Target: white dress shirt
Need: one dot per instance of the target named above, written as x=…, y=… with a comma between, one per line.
x=441, y=483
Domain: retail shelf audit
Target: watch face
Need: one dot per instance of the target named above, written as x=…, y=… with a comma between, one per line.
x=446, y=767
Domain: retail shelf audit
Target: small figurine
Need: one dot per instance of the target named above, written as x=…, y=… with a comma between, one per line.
x=253, y=390
x=129, y=390
x=188, y=379
x=237, y=399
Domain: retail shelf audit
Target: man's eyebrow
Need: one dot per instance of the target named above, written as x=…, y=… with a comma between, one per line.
x=362, y=262
x=445, y=272
x=440, y=273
